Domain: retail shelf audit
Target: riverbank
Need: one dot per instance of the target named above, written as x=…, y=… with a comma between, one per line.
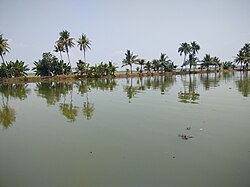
x=72, y=77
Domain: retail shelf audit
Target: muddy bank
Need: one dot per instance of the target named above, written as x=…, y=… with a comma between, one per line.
x=72, y=77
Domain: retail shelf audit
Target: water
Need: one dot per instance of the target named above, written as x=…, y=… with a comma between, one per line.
x=124, y=132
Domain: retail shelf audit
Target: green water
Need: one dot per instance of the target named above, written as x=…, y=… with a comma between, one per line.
x=124, y=132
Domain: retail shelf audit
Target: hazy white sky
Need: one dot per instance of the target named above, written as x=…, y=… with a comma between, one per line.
x=147, y=27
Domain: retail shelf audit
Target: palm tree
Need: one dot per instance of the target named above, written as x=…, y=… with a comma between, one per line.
x=216, y=61
x=59, y=48
x=141, y=62
x=84, y=43
x=4, y=46
x=207, y=61
x=239, y=59
x=130, y=59
x=246, y=52
x=185, y=48
x=66, y=41
x=148, y=66
x=194, y=48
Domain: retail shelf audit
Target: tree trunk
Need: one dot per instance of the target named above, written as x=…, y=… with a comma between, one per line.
x=131, y=68
x=61, y=55
x=84, y=56
x=2, y=58
x=68, y=58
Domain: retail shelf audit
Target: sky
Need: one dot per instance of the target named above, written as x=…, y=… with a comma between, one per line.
x=146, y=27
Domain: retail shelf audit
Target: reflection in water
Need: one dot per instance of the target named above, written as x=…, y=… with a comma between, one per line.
x=19, y=91
x=52, y=91
x=9, y=91
x=7, y=116
x=190, y=93
x=162, y=83
x=69, y=111
x=88, y=110
x=243, y=84
x=210, y=80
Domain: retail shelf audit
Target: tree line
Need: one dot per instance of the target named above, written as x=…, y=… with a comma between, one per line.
x=50, y=65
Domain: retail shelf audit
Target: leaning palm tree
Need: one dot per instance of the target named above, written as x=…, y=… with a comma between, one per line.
x=130, y=59
x=66, y=41
x=4, y=46
x=84, y=43
x=185, y=48
x=59, y=48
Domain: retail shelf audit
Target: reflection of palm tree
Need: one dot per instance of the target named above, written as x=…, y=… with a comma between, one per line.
x=69, y=111
x=88, y=110
x=210, y=80
x=243, y=84
x=7, y=116
x=189, y=95
x=131, y=90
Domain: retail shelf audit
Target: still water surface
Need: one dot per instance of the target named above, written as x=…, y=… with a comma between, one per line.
x=124, y=132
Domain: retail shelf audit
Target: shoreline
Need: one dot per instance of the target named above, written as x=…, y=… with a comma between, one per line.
x=73, y=77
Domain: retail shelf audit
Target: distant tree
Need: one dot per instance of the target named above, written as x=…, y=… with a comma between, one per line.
x=84, y=43
x=130, y=59
x=4, y=47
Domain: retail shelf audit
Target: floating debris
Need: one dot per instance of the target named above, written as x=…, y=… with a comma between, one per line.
x=188, y=128
x=201, y=129
x=185, y=136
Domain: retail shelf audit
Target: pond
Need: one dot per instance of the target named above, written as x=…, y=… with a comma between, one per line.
x=189, y=130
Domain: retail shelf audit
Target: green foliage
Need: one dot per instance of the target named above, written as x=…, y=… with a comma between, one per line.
x=243, y=57
x=97, y=71
x=50, y=65
x=228, y=65
x=13, y=69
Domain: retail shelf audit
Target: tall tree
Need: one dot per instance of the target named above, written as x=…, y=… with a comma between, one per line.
x=185, y=49
x=130, y=59
x=4, y=46
x=84, y=43
x=66, y=41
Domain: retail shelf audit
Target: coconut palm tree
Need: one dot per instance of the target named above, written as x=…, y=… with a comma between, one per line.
x=84, y=43
x=4, y=47
x=141, y=62
x=130, y=59
x=148, y=66
x=66, y=41
x=185, y=48
x=59, y=48
x=239, y=59
x=207, y=61
x=194, y=48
